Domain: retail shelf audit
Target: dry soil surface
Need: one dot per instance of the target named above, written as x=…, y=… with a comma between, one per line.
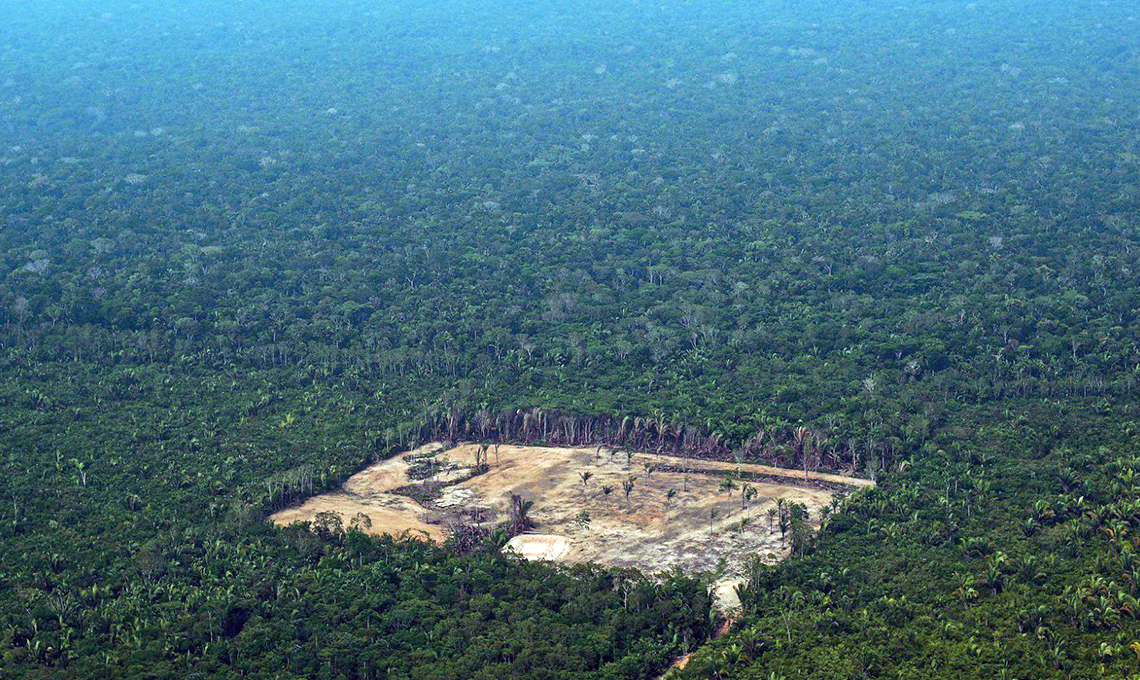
x=695, y=528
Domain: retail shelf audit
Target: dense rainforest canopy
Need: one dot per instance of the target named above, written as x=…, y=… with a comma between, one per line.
x=240, y=240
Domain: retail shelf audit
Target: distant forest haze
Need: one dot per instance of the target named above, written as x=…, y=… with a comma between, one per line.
x=248, y=248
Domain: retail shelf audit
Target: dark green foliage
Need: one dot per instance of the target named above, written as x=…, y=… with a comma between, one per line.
x=885, y=594
x=248, y=248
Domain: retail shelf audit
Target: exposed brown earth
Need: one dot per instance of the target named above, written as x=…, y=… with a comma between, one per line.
x=695, y=529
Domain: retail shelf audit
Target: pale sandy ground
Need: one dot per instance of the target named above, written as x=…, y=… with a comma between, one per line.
x=695, y=530
x=367, y=492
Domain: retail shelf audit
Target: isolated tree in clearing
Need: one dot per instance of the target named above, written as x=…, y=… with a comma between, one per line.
x=520, y=514
x=747, y=493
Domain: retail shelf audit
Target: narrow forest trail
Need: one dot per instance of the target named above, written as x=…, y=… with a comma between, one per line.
x=683, y=660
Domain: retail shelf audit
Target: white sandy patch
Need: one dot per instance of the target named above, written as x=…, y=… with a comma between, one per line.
x=547, y=547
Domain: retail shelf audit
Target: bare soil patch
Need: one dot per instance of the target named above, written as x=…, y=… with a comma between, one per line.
x=676, y=515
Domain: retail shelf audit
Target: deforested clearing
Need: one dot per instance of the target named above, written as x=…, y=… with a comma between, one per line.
x=648, y=511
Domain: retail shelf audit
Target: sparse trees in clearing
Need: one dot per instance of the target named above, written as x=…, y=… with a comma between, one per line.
x=788, y=448
x=670, y=494
x=361, y=522
x=583, y=519
x=481, y=454
x=649, y=468
x=520, y=519
x=627, y=486
x=713, y=512
x=802, y=441
x=747, y=493
x=607, y=490
x=727, y=485
x=771, y=517
x=585, y=477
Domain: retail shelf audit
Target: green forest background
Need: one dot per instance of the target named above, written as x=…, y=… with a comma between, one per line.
x=241, y=241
